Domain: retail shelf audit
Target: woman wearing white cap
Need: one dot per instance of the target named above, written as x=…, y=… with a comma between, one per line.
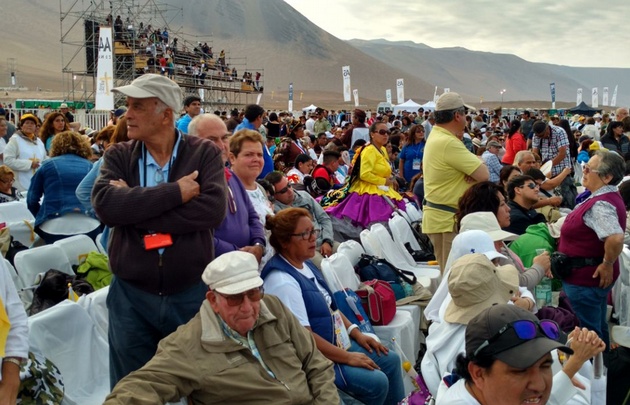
x=25, y=152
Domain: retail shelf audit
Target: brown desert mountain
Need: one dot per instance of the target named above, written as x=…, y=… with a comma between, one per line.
x=283, y=44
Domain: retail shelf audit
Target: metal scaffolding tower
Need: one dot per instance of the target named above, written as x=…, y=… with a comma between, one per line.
x=139, y=49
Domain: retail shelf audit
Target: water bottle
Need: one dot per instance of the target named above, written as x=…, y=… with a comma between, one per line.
x=543, y=292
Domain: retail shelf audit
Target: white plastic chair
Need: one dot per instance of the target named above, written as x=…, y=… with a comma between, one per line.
x=352, y=250
x=96, y=307
x=343, y=273
x=413, y=213
x=99, y=245
x=29, y=263
x=67, y=336
x=370, y=244
x=76, y=248
x=19, y=220
x=401, y=231
x=15, y=211
x=397, y=255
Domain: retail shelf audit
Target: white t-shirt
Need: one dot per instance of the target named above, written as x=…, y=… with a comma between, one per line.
x=287, y=289
x=457, y=394
x=261, y=204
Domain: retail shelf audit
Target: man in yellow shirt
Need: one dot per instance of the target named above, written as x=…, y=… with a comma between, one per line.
x=449, y=169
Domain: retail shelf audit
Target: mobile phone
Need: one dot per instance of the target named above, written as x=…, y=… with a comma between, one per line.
x=157, y=241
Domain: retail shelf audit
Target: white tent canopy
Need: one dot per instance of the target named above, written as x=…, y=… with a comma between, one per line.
x=429, y=105
x=311, y=107
x=409, y=105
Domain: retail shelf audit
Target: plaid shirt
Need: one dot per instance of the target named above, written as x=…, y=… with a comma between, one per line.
x=549, y=148
x=246, y=342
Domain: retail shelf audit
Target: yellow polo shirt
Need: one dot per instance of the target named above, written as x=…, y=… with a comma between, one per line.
x=446, y=163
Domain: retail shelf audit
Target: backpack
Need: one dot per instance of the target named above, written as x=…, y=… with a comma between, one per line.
x=371, y=268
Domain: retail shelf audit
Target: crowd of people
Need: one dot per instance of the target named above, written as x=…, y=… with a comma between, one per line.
x=223, y=223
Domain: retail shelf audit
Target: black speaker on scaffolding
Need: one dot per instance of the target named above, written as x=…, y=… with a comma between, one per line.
x=91, y=45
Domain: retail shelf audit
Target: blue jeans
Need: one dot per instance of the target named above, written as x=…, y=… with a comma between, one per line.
x=384, y=386
x=138, y=320
x=589, y=304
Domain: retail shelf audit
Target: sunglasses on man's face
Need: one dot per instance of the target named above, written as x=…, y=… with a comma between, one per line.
x=384, y=132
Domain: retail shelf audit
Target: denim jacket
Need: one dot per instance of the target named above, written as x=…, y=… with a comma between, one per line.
x=57, y=179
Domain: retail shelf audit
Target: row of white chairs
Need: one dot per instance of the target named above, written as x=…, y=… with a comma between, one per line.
x=61, y=255
x=338, y=271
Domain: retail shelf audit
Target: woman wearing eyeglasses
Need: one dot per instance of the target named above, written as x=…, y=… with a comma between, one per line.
x=592, y=238
x=371, y=180
x=367, y=370
x=60, y=213
x=8, y=193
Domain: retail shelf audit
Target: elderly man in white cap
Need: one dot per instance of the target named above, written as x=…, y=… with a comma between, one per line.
x=163, y=193
x=449, y=169
x=242, y=348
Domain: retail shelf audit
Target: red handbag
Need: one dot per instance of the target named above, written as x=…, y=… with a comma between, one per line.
x=378, y=300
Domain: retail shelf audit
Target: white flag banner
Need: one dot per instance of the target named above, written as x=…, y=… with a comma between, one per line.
x=447, y=90
x=605, y=96
x=355, y=93
x=578, y=100
x=258, y=98
x=435, y=96
x=345, y=71
x=594, y=98
x=388, y=95
x=105, y=71
x=400, y=91
x=613, y=102
x=290, y=106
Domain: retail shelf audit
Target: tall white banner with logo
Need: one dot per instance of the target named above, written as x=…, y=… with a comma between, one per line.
x=290, y=97
x=613, y=102
x=388, y=95
x=105, y=71
x=578, y=100
x=435, y=96
x=400, y=91
x=552, y=89
x=605, y=96
x=355, y=93
x=345, y=71
x=594, y=98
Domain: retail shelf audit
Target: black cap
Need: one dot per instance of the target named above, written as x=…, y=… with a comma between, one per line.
x=508, y=348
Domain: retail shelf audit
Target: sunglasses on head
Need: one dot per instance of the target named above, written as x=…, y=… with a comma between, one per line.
x=524, y=330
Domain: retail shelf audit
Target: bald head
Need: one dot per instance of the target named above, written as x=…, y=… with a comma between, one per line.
x=621, y=113
x=211, y=127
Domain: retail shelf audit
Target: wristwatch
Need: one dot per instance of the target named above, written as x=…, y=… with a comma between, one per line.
x=15, y=360
x=264, y=249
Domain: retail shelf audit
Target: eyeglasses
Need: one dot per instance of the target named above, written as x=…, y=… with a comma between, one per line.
x=306, y=235
x=235, y=300
x=586, y=170
x=8, y=181
x=284, y=190
x=384, y=132
x=524, y=330
x=530, y=185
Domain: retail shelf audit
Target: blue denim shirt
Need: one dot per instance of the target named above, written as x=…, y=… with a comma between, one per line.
x=57, y=180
